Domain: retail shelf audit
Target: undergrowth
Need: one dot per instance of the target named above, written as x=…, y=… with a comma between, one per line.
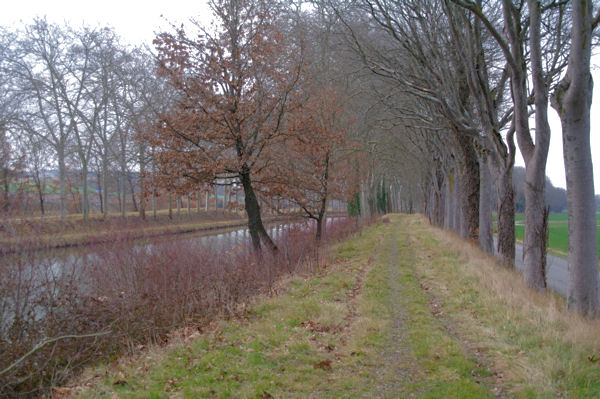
x=64, y=312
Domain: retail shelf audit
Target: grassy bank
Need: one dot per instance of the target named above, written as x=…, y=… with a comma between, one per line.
x=404, y=310
x=58, y=315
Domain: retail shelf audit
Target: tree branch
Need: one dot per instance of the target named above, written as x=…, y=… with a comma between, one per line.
x=45, y=342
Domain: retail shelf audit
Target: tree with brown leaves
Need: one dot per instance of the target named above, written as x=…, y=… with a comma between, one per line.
x=235, y=88
x=309, y=161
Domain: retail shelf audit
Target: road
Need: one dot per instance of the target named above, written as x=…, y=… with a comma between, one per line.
x=557, y=273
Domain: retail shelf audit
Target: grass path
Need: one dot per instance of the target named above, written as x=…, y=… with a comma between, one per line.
x=403, y=310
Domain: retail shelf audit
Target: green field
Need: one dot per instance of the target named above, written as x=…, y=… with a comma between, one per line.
x=558, y=236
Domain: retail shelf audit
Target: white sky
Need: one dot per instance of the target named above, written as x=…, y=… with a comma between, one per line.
x=137, y=22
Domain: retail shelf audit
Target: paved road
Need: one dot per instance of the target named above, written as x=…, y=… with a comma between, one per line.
x=557, y=274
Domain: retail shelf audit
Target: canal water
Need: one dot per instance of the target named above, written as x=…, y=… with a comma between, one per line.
x=27, y=277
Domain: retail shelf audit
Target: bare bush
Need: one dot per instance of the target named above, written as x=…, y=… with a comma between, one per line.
x=61, y=311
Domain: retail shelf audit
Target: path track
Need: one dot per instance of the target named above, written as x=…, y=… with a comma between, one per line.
x=393, y=368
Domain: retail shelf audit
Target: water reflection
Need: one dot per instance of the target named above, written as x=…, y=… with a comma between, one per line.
x=32, y=282
x=60, y=261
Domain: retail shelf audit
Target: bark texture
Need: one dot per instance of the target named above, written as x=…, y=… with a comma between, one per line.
x=506, y=218
x=486, y=240
x=470, y=184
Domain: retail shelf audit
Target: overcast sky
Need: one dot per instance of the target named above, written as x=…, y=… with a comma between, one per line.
x=137, y=21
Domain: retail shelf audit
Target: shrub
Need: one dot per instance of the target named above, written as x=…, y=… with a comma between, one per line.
x=74, y=308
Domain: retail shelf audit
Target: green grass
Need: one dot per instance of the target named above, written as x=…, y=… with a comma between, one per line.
x=537, y=348
x=403, y=310
x=558, y=236
x=553, y=217
x=447, y=370
x=285, y=346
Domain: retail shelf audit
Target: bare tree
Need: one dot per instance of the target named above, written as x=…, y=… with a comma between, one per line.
x=572, y=99
x=516, y=24
x=40, y=65
x=8, y=113
x=487, y=77
x=409, y=35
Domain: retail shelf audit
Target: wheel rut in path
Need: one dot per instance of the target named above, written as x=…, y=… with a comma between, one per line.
x=393, y=373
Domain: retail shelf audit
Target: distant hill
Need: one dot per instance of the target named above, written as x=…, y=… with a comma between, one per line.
x=556, y=197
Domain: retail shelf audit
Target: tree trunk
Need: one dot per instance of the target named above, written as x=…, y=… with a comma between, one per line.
x=572, y=99
x=436, y=207
x=216, y=198
x=105, y=185
x=85, y=202
x=61, y=182
x=6, y=186
x=41, y=195
x=534, y=240
x=486, y=238
x=142, y=179
x=470, y=203
x=142, y=207
x=198, y=201
x=170, y=206
x=365, y=201
x=154, y=205
x=255, y=225
x=535, y=234
x=506, y=218
x=448, y=196
x=100, y=190
x=456, y=201
x=323, y=208
x=319, y=229
x=132, y=192
x=123, y=196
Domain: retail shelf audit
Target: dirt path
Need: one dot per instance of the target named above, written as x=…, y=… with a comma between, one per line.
x=393, y=370
x=422, y=356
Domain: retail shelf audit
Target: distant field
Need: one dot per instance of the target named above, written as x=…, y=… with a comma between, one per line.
x=558, y=237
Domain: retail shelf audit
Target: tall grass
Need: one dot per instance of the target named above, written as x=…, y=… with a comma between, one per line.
x=58, y=318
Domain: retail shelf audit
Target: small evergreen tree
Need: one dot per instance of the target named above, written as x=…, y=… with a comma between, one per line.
x=354, y=206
